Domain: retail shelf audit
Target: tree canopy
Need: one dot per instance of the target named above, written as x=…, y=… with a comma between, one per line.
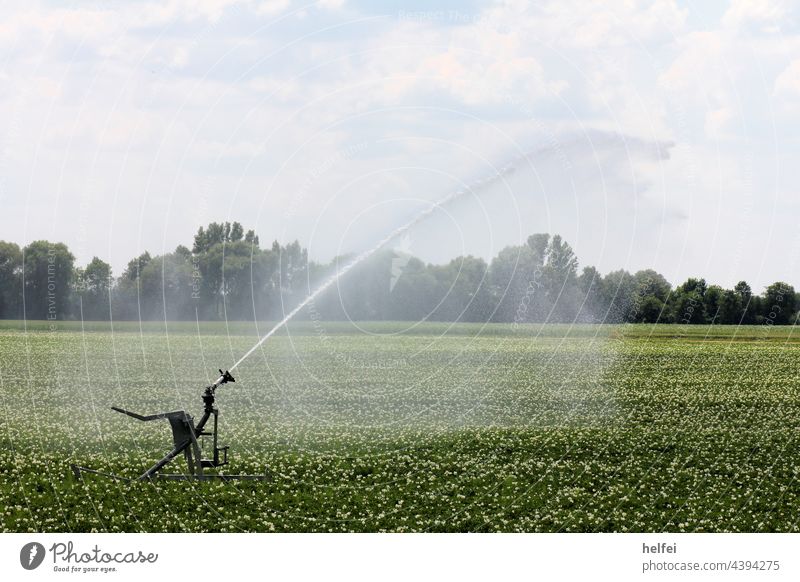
x=227, y=275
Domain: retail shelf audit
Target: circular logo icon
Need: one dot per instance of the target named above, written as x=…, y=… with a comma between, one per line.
x=31, y=555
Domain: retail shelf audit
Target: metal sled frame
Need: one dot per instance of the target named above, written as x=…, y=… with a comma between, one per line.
x=185, y=436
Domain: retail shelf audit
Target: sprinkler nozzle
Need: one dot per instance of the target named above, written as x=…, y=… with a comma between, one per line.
x=224, y=378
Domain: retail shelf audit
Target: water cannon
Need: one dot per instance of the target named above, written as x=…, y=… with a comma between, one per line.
x=224, y=378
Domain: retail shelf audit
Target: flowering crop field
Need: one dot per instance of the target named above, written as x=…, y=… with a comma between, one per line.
x=396, y=427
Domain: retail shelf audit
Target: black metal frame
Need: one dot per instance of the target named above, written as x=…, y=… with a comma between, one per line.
x=185, y=435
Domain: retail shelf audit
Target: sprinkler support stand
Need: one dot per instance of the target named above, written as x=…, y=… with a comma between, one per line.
x=185, y=438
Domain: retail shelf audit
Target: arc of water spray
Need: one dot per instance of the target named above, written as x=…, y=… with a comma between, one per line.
x=472, y=188
x=658, y=150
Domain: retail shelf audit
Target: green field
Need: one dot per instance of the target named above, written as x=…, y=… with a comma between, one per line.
x=435, y=427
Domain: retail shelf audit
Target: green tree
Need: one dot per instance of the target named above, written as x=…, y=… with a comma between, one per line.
x=135, y=266
x=235, y=260
x=165, y=288
x=731, y=311
x=593, y=307
x=415, y=294
x=47, y=274
x=779, y=304
x=218, y=233
x=236, y=232
x=516, y=277
x=712, y=302
x=462, y=290
x=620, y=292
x=93, y=285
x=251, y=238
x=650, y=310
x=538, y=244
x=560, y=282
x=650, y=282
x=745, y=295
x=10, y=281
x=233, y=278
x=126, y=294
x=688, y=302
x=650, y=298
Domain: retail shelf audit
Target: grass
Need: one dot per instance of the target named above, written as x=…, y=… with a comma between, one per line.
x=382, y=427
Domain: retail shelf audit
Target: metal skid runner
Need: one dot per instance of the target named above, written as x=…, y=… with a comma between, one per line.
x=185, y=435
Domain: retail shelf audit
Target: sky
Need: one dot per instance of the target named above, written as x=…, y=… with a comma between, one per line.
x=656, y=134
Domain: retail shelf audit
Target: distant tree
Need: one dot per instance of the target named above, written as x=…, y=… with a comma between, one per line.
x=560, y=282
x=236, y=232
x=650, y=297
x=517, y=279
x=10, y=281
x=239, y=278
x=620, y=291
x=538, y=244
x=712, y=301
x=779, y=304
x=135, y=266
x=126, y=301
x=650, y=282
x=217, y=233
x=227, y=274
x=232, y=277
x=757, y=308
x=593, y=307
x=796, y=318
x=416, y=292
x=292, y=275
x=650, y=310
x=93, y=285
x=366, y=293
x=561, y=258
x=165, y=288
x=536, y=282
x=693, y=285
x=731, y=311
x=745, y=295
x=47, y=273
x=688, y=302
x=251, y=238
x=462, y=290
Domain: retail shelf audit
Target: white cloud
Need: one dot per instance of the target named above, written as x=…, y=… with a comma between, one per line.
x=596, y=23
x=764, y=15
x=331, y=4
x=272, y=7
x=235, y=149
x=701, y=60
x=159, y=13
x=788, y=82
x=718, y=121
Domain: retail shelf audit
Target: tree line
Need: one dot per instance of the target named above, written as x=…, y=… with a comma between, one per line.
x=228, y=275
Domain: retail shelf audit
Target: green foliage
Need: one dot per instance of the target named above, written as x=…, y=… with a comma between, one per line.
x=688, y=302
x=228, y=276
x=10, y=280
x=779, y=304
x=47, y=276
x=93, y=286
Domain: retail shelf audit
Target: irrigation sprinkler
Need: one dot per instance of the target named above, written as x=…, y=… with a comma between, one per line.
x=186, y=436
x=185, y=433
